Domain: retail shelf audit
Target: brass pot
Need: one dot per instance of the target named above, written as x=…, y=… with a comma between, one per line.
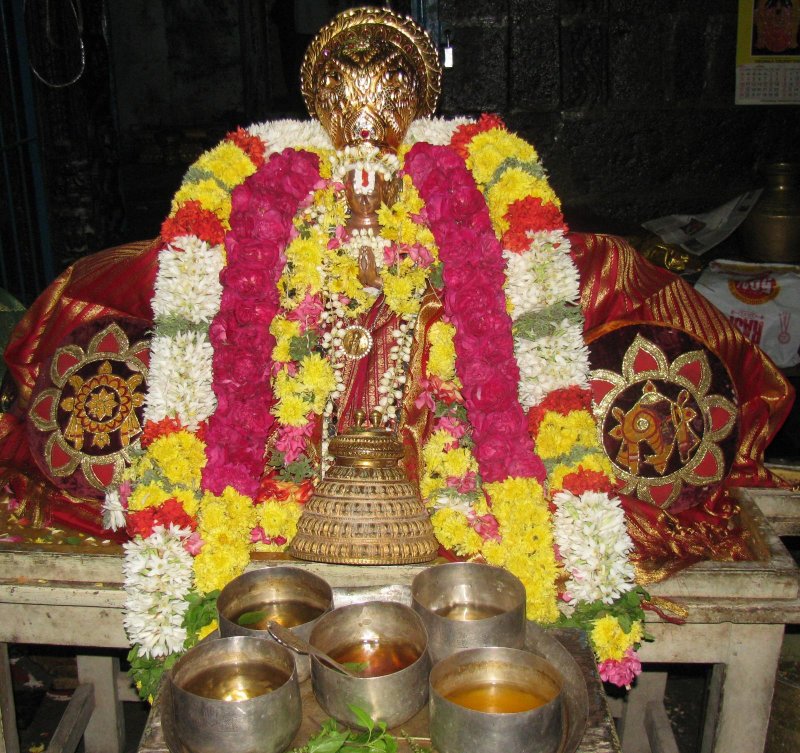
x=771, y=232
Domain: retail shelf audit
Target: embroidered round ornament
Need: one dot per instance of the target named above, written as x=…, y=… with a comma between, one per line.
x=667, y=415
x=86, y=411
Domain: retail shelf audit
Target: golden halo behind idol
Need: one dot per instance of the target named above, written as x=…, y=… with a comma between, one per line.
x=368, y=74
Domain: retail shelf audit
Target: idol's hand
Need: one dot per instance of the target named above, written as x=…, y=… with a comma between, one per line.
x=367, y=270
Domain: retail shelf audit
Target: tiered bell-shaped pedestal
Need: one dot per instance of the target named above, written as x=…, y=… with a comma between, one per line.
x=365, y=511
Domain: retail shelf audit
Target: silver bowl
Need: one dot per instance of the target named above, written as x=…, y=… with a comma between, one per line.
x=382, y=636
x=293, y=597
x=236, y=693
x=506, y=698
x=468, y=605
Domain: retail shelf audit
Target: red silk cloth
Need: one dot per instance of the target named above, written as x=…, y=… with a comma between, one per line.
x=619, y=286
x=117, y=282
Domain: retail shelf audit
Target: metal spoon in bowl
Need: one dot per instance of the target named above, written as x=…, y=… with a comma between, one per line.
x=297, y=644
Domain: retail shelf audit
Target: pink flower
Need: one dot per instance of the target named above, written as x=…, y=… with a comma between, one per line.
x=422, y=256
x=463, y=484
x=308, y=312
x=425, y=397
x=292, y=441
x=451, y=425
x=486, y=526
x=621, y=672
x=259, y=535
x=194, y=544
x=391, y=255
x=125, y=489
x=473, y=271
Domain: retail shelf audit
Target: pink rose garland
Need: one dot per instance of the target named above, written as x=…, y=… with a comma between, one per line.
x=474, y=275
x=262, y=211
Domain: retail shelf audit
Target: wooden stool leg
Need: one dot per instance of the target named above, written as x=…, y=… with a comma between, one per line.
x=105, y=732
x=649, y=687
x=9, y=741
x=753, y=653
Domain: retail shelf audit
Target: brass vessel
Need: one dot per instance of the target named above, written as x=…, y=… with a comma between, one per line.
x=365, y=511
x=771, y=232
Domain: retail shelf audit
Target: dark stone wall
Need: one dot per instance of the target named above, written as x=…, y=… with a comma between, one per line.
x=630, y=102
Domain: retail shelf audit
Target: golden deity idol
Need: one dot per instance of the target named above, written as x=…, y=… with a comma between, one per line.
x=366, y=77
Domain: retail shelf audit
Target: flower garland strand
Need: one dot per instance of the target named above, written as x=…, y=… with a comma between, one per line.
x=263, y=209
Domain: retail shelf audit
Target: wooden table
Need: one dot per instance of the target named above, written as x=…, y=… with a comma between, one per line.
x=737, y=613
x=600, y=735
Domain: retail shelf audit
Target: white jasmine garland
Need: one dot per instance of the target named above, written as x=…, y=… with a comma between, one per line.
x=278, y=135
x=594, y=545
x=541, y=276
x=158, y=575
x=180, y=378
x=555, y=361
x=187, y=285
x=436, y=131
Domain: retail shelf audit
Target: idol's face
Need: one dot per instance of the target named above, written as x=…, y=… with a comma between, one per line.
x=367, y=90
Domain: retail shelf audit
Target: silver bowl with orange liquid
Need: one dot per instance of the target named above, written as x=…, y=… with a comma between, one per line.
x=385, y=644
x=506, y=698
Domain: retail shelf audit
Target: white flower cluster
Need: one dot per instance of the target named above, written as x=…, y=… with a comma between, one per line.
x=541, y=276
x=436, y=131
x=361, y=238
x=552, y=362
x=278, y=135
x=364, y=158
x=158, y=575
x=187, y=284
x=180, y=378
x=594, y=545
x=113, y=511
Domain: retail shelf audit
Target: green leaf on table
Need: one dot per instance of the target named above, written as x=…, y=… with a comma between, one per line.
x=363, y=718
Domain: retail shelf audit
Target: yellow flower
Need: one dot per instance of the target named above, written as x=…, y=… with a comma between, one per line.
x=442, y=356
x=453, y=531
x=592, y=461
x=527, y=543
x=211, y=196
x=433, y=451
x=457, y=462
x=283, y=327
x=559, y=435
x=188, y=499
x=277, y=518
x=399, y=292
x=489, y=149
x=147, y=495
x=284, y=330
x=292, y=410
x=317, y=376
x=207, y=629
x=223, y=557
x=610, y=641
x=429, y=486
x=306, y=256
x=181, y=458
x=227, y=163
